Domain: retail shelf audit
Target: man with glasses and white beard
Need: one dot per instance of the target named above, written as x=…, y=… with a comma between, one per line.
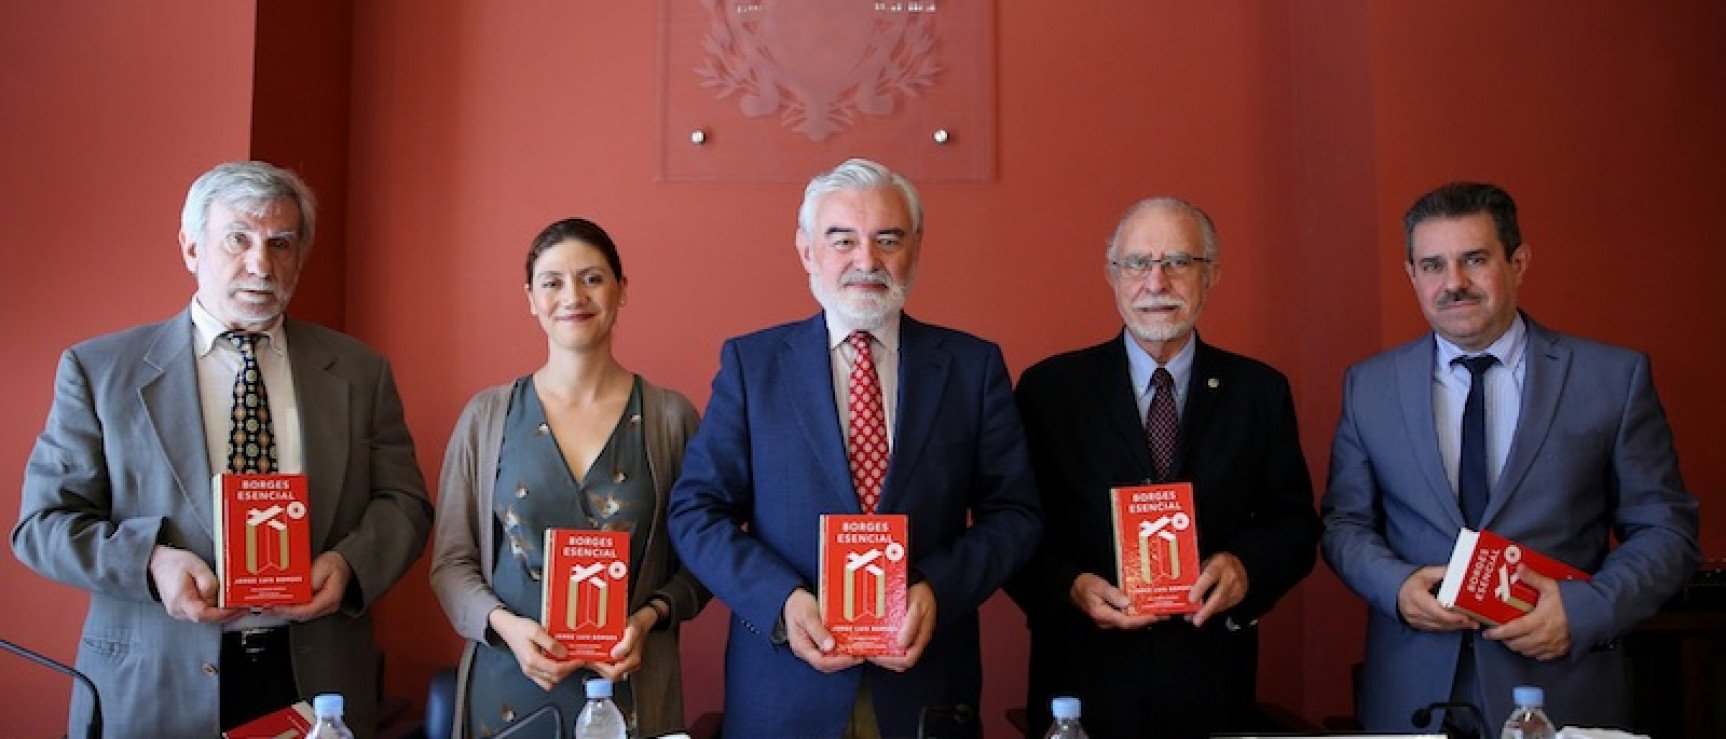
x=1154, y=403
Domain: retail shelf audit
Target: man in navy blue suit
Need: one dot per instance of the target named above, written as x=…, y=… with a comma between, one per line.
x=772, y=456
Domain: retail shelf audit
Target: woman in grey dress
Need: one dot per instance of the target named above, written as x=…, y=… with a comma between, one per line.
x=580, y=443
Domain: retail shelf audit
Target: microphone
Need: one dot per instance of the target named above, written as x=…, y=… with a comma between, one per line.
x=1423, y=716
x=94, y=728
x=959, y=715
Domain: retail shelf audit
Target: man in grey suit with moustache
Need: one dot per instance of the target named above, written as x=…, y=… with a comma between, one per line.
x=117, y=497
x=1494, y=421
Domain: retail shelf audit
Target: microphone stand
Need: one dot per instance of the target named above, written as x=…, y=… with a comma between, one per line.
x=1423, y=716
x=94, y=728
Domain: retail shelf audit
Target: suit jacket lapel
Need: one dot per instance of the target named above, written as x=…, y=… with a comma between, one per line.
x=807, y=369
x=1117, y=400
x=172, y=403
x=1414, y=391
x=1548, y=364
x=1203, y=388
x=322, y=397
x=923, y=364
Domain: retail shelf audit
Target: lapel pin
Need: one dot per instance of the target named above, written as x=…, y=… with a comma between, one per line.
x=1213, y=383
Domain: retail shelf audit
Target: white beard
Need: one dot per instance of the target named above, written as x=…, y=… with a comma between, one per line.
x=1161, y=333
x=867, y=312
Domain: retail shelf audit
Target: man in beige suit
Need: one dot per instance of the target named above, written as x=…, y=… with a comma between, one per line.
x=116, y=496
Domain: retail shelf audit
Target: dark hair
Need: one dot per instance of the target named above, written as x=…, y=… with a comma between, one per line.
x=575, y=229
x=1459, y=199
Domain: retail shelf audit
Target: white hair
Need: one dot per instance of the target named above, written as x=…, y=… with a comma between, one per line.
x=1207, y=231
x=247, y=185
x=857, y=174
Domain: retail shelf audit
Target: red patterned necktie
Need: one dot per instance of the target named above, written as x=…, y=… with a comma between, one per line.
x=252, y=442
x=1161, y=423
x=868, y=437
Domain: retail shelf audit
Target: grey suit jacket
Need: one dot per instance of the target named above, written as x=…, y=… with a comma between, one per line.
x=1591, y=459
x=122, y=466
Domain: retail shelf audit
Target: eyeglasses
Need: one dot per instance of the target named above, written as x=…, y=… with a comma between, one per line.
x=1174, y=265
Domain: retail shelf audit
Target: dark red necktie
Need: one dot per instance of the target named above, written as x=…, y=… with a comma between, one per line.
x=1162, y=423
x=868, y=437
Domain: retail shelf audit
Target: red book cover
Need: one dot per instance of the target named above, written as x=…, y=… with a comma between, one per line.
x=288, y=723
x=584, y=594
x=1156, y=546
x=1484, y=581
x=865, y=569
x=263, y=540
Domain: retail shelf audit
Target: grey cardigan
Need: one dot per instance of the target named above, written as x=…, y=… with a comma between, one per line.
x=463, y=546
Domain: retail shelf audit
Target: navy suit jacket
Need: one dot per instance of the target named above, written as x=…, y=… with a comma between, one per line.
x=1240, y=447
x=769, y=459
x=1591, y=459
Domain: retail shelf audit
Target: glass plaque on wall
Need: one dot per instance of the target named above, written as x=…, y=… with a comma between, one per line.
x=777, y=90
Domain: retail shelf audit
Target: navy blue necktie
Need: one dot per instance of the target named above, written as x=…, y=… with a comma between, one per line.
x=1471, y=484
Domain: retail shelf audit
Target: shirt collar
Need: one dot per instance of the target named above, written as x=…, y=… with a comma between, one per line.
x=838, y=332
x=1140, y=365
x=206, y=331
x=1509, y=348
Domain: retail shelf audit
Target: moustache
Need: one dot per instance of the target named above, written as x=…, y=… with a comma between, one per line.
x=1449, y=297
x=856, y=277
x=1153, y=303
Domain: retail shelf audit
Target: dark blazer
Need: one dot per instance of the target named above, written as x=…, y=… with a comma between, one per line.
x=769, y=458
x=1591, y=460
x=122, y=466
x=1240, y=448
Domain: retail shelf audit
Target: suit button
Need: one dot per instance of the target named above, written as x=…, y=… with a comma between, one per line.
x=209, y=669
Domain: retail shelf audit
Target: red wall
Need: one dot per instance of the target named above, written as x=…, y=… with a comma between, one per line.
x=107, y=113
x=447, y=133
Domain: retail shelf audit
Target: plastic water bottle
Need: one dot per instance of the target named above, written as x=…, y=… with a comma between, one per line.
x=600, y=718
x=328, y=709
x=1066, y=726
x=1528, y=721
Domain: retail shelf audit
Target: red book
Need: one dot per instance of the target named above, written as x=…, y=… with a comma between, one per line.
x=288, y=723
x=584, y=594
x=1156, y=546
x=865, y=569
x=1484, y=577
x=263, y=540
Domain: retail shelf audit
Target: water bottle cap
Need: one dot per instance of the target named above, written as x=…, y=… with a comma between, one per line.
x=1528, y=695
x=598, y=687
x=327, y=704
x=1064, y=707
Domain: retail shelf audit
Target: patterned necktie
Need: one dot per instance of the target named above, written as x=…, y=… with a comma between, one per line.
x=1162, y=423
x=252, y=444
x=868, y=438
x=1471, y=485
